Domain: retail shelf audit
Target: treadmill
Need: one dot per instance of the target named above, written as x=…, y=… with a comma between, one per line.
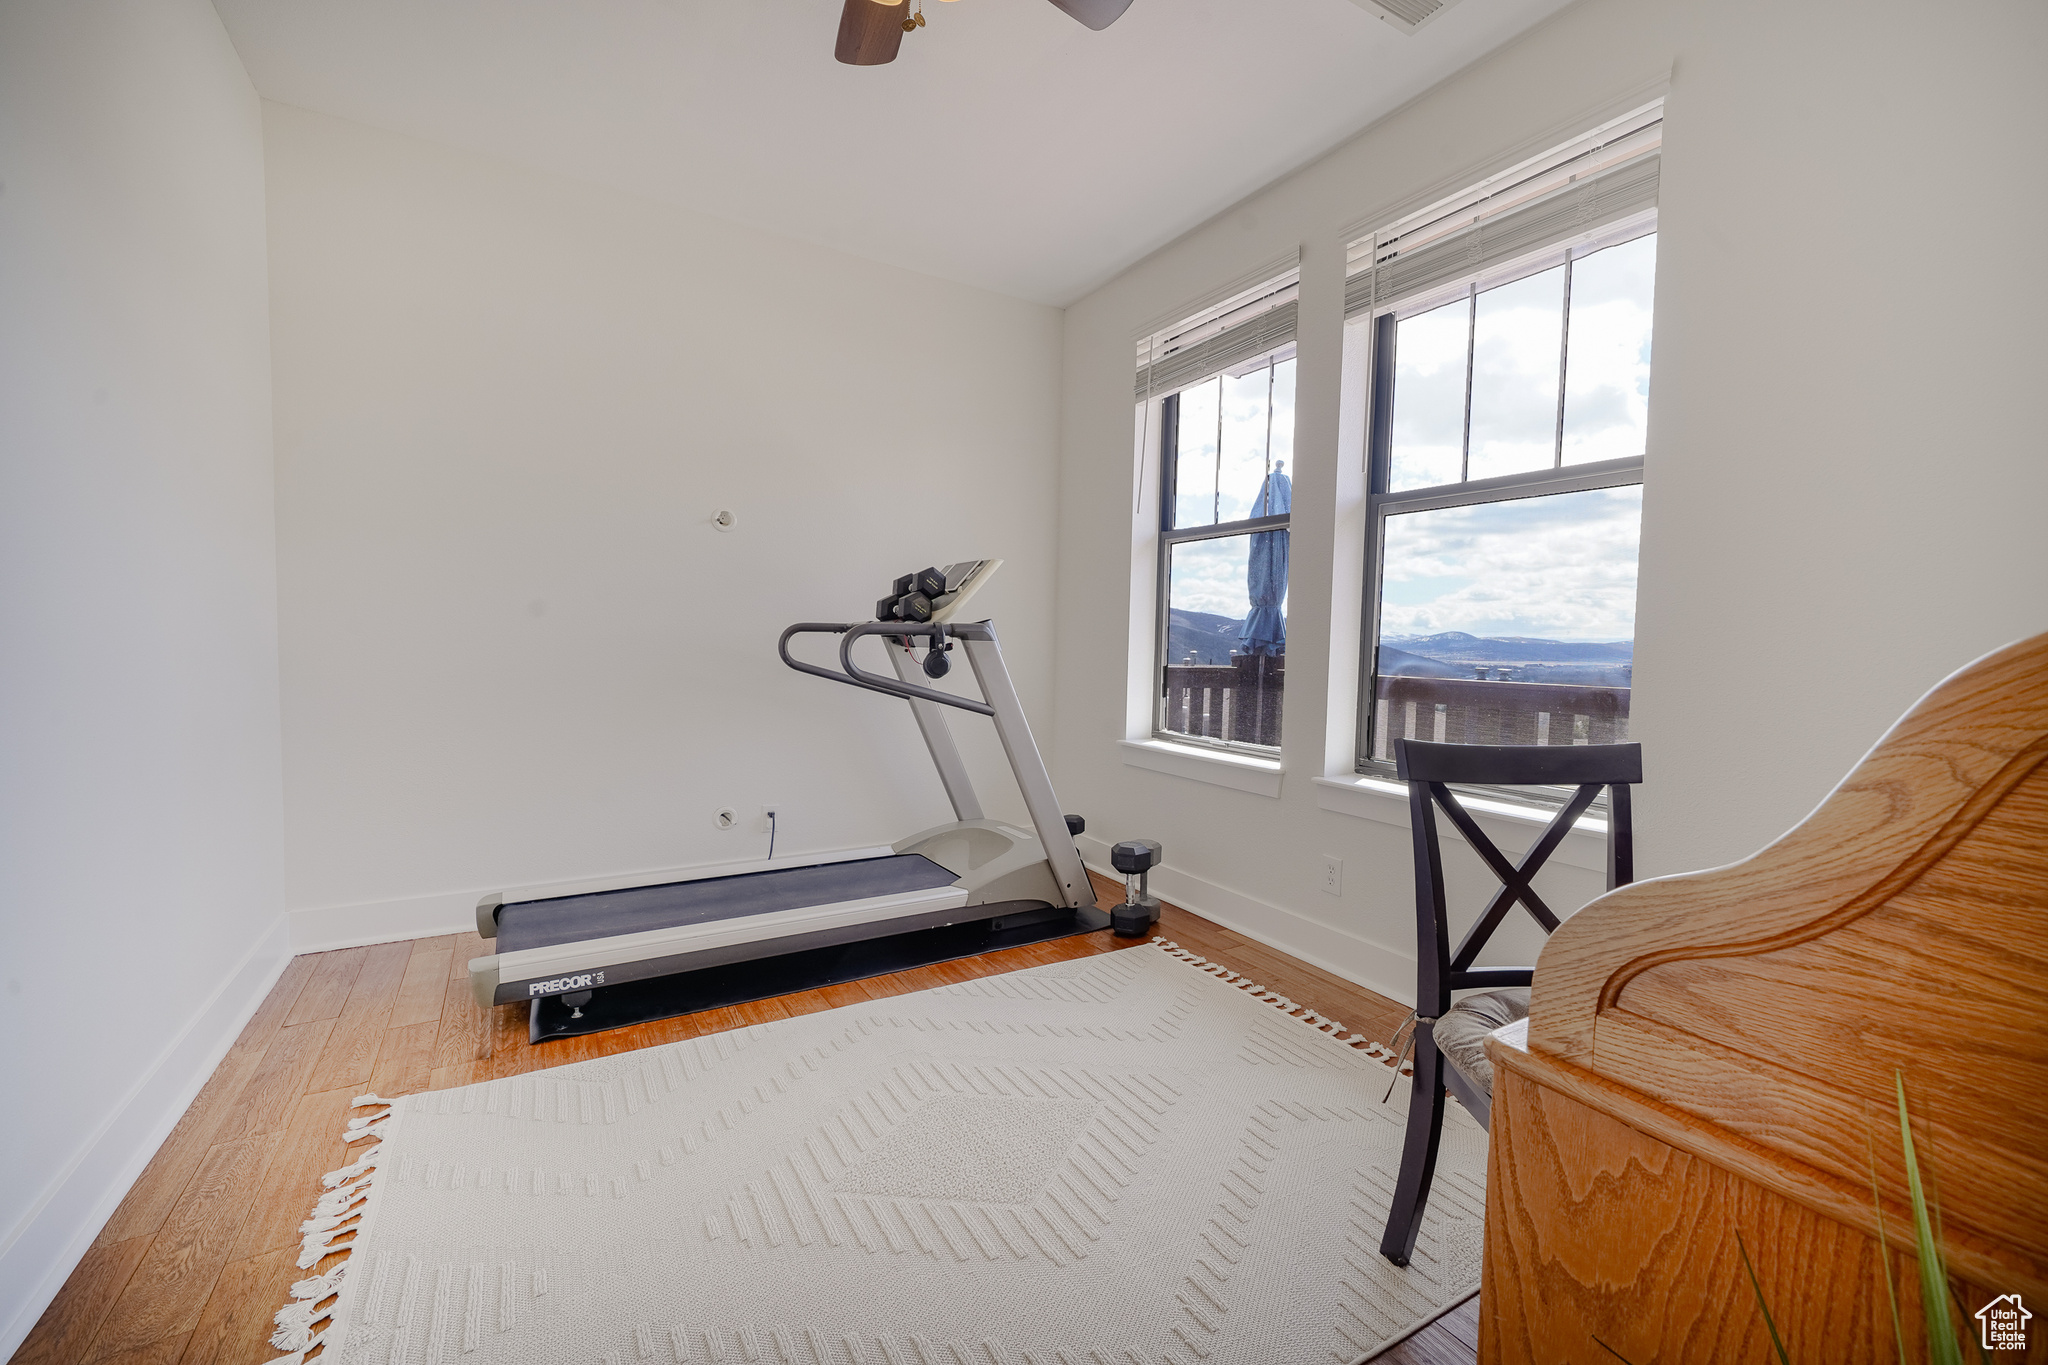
x=590, y=960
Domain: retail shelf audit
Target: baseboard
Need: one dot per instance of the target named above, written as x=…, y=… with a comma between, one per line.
x=1376, y=966
x=328, y=927
x=39, y=1253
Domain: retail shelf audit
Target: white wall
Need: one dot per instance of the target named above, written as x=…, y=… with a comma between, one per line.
x=139, y=764
x=1845, y=472
x=515, y=650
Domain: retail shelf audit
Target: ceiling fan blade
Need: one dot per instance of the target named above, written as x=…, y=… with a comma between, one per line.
x=1096, y=14
x=870, y=32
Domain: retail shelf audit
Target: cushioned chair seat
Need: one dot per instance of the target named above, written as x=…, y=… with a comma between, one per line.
x=1461, y=1037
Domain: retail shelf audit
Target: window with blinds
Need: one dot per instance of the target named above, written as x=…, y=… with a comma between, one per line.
x=1601, y=185
x=1216, y=392
x=1509, y=391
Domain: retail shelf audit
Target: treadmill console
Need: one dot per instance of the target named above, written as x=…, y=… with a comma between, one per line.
x=962, y=581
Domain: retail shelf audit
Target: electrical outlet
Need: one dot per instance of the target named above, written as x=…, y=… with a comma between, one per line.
x=769, y=814
x=1333, y=876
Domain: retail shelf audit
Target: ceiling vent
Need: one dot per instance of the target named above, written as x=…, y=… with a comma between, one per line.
x=1406, y=15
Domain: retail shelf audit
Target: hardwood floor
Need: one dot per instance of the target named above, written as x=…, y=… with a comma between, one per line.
x=203, y=1250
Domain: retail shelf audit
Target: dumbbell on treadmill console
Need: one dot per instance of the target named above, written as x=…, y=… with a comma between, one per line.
x=1135, y=858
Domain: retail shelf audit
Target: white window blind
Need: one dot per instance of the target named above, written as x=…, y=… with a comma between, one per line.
x=1253, y=323
x=1570, y=192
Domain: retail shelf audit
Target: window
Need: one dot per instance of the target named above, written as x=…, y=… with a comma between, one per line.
x=1510, y=375
x=1226, y=441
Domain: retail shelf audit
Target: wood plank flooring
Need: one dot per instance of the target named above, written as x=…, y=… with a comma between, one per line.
x=203, y=1250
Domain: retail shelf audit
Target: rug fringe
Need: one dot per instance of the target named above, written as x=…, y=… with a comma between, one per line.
x=302, y=1324
x=1300, y=1014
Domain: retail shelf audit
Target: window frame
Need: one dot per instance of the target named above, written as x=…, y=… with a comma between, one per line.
x=1169, y=476
x=1380, y=503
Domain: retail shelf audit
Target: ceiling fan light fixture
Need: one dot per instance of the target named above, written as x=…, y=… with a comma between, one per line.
x=868, y=38
x=869, y=32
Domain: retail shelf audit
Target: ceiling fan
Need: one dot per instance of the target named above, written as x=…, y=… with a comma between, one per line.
x=870, y=31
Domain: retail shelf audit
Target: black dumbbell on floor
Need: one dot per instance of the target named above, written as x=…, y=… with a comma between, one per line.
x=1135, y=858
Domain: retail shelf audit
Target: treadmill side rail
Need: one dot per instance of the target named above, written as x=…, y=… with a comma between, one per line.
x=483, y=980
x=518, y=972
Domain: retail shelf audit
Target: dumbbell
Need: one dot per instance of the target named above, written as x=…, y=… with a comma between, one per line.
x=914, y=597
x=918, y=607
x=1135, y=858
x=890, y=608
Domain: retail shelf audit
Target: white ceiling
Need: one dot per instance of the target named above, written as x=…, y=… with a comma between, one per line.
x=1007, y=147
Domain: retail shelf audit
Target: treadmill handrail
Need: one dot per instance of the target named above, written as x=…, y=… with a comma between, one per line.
x=903, y=689
x=856, y=676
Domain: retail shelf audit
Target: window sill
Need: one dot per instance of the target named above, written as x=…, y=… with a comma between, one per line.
x=1241, y=772
x=1371, y=798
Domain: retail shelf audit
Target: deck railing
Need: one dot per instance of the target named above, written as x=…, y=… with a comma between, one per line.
x=1238, y=702
x=1469, y=711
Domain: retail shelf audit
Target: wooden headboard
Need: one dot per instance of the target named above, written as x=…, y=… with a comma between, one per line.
x=1754, y=1014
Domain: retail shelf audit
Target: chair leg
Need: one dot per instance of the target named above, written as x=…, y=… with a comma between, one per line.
x=1418, y=1150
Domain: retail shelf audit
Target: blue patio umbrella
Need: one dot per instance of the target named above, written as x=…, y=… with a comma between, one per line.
x=1265, y=629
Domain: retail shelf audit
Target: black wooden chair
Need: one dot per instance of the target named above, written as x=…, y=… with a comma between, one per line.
x=1447, y=1037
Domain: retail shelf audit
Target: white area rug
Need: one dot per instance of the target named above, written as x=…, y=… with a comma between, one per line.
x=1123, y=1160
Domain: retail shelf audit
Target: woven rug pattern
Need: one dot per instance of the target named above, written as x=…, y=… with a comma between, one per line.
x=1130, y=1159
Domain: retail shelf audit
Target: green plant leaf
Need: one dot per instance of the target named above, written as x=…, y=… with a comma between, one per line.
x=1777, y=1344
x=1942, y=1346
x=1884, y=1248
x=1963, y=1316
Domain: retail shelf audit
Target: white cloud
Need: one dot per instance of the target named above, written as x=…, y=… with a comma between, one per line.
x=1561, y=567
x=1517, y=332
x=1429, y=396
x=1515, y=340
x=1209, y=575
x=1235, y=410
x=1607, y=377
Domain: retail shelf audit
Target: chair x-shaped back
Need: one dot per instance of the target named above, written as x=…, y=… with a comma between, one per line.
x=1430, y=770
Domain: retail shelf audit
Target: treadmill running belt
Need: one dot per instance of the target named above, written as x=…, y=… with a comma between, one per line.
x=602, y=914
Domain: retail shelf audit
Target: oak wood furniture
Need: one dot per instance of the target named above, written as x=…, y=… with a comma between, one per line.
x=1713, y=1054
x=1428, y=769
